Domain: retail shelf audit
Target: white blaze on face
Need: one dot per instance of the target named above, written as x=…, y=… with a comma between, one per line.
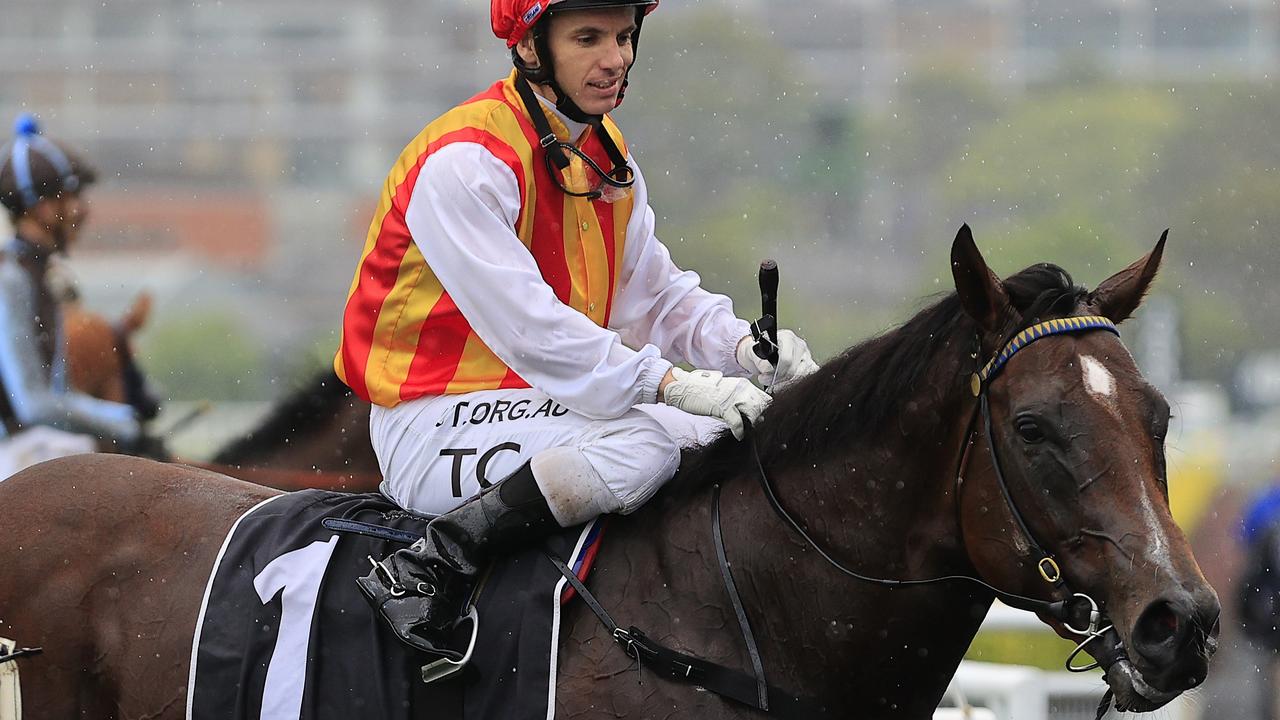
x=1099, y=381
x=1101, y=384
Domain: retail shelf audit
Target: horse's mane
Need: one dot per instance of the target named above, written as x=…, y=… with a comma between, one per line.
x=853, y=394
x=312, y=405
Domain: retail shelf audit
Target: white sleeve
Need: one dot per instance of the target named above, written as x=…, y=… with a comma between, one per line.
x=658, y=303
x=462, y=216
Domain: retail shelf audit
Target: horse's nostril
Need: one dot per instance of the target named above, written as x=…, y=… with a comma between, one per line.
x=1161, y=634
x=1158, y=625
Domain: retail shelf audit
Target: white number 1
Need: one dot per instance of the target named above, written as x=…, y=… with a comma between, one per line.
x=298, y=574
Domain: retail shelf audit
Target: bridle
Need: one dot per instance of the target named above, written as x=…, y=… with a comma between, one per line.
x=980, y=383
x=1078, y=606
x=755, y=691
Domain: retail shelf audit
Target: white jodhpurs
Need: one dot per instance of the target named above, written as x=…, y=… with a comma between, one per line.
x=40, y=443
x=436, y=452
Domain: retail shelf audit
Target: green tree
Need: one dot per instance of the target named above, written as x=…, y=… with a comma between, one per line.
x=1060, y=176
x=1218, y=191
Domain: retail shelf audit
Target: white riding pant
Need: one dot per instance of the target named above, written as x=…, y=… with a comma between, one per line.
x=437, y=451
x=37, y=444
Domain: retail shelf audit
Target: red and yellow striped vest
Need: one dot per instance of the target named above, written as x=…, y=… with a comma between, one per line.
x=402, y=335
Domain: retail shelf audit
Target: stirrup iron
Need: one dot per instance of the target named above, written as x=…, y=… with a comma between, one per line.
x=444, y=667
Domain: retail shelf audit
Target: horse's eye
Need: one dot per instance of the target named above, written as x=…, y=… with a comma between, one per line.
x=1029, y=430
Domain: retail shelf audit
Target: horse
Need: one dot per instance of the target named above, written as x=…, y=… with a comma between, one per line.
x=94, y=363
x=316, y=437
x=322, y=429
x=99, y=357
x=938, y=468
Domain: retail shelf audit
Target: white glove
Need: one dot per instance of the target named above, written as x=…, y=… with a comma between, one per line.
x=794, y=360
x=710, y=393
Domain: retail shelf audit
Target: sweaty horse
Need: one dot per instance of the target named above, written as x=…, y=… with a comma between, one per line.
x=1003, y=434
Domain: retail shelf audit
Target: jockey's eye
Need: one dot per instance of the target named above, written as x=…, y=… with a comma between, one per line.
x=1029, y=430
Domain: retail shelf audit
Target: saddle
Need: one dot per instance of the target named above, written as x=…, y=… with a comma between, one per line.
x=284, y=631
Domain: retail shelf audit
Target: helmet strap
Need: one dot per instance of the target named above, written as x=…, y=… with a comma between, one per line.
x=566, y=105
x=635, y=55
x=544, y=72
x=620, y=172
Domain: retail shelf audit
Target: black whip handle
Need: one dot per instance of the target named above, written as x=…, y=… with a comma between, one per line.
x=765, y=330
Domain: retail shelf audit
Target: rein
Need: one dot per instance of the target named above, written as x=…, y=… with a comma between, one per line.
x=755, y=691
x=980, y=381
x=750, y=690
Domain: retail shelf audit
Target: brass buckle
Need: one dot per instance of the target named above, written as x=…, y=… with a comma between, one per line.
x=1049, y=570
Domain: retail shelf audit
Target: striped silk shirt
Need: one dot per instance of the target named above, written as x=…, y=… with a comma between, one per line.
x=479, y=273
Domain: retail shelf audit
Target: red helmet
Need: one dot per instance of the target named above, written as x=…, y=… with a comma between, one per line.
x=511, y=19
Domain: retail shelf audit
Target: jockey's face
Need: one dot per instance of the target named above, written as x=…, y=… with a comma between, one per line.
x=592, y=51
x=54, y=222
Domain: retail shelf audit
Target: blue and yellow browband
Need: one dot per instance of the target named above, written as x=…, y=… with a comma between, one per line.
x=1033, y=333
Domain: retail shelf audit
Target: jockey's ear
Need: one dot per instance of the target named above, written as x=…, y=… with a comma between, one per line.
x=1119, y=295
x=981, y=293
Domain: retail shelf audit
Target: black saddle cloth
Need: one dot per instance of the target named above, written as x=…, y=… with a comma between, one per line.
x=285, y=633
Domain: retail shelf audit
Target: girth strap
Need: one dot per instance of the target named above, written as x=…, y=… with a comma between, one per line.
x=723, y=681
x=757, y=665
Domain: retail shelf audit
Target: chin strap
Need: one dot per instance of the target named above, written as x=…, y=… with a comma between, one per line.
x=566, y=105
x=620, y=175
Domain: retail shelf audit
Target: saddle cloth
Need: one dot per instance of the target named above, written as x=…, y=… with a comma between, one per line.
x=284, y=633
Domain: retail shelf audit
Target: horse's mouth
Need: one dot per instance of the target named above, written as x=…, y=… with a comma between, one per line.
x=1132, y=693
x=1130, y=690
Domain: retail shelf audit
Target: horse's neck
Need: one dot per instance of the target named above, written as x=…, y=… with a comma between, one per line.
x=866, y=649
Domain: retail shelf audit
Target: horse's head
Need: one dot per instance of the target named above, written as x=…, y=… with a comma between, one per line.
x=1078, y=436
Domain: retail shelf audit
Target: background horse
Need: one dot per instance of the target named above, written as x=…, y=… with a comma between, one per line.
x=316, y=437
x=104, y=558
x=99, y=357
x=321, y=429
x=322, y=426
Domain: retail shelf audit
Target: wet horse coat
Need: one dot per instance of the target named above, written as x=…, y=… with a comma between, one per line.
x=864, y=453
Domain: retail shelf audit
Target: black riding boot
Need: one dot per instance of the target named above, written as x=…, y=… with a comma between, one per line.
x=420, y=590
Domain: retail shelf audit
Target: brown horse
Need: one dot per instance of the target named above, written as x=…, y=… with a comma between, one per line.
x=883, y=457
x=322, y=429
x=316, y=437
x=98, y=351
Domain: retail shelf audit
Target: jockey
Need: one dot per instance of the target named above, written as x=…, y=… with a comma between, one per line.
x=42, y=186
x=514, y=317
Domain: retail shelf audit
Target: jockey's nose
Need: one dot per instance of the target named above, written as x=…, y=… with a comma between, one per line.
x=618, y=57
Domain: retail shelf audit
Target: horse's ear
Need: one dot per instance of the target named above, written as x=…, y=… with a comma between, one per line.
x=1119, y=295
x=981, y=293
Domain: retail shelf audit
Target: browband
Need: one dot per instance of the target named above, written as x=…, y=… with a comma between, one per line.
x=1033, y=333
